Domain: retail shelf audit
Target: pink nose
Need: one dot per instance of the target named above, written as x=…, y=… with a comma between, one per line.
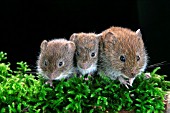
x=84, y=65
x=133, y=73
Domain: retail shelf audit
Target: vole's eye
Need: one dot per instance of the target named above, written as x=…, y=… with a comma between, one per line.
x=77, y=53
x=93, y=54
x=45, y=62
x=138, y=58
x=60, y=64
x=122, y=58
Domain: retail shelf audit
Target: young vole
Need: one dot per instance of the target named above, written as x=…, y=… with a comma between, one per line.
x=86, y=52
x=56, y=59
x=122, y=54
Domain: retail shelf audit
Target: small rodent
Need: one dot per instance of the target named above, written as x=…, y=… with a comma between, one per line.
x=87, y=45
x=122, y=54
x=56, y=59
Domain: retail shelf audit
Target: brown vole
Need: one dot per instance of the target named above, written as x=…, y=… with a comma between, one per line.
x=56, y=59
x=86, y=51
x=122, y=54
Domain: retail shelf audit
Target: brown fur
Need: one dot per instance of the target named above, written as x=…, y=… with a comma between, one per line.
x=117, y=41
x=86, y=43
x=52, y=53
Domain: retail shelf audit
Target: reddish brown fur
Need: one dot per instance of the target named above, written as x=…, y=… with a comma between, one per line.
x=117, y=41
x=85, y=44
x=53, y=52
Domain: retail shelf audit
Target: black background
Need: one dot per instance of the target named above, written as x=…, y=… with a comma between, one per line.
x=25, y=24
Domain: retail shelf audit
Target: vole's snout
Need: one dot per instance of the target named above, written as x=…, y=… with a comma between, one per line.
x=54, y=75
x=84, y=65
x=51, y=76
x=133, y=74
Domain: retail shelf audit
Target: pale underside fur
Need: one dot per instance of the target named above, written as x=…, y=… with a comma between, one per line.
x=113, y=73
x=65, y=74
x=91, y=69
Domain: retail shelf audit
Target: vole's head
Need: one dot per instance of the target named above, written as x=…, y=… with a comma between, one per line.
x=86, y=51
x=56, y=58
x=125, y=49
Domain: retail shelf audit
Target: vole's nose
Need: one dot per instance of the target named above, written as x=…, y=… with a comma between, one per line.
x=84, y=65
x=133, y=74
x=53, y=75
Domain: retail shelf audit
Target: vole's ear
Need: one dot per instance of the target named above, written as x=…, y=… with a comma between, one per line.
x=110, y=38
x=73, y=37
x=43, y=45
x=99, y=36
x=70, y=46
x=138, y=33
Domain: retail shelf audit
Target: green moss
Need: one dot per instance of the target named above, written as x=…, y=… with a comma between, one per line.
x=20, y=91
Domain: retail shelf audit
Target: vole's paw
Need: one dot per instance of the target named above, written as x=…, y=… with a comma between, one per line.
x=80, y=76
x=50, y=82
x=131, y=81
x=126, y=85
x=86, y=78
x=147, y=75
x=123, y=81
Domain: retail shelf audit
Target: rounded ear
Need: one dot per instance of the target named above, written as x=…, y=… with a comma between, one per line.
x=73, y=37
x=99, y=36
x=70, y=46
x=43, y=45
x=110, y=38
x=138, y=33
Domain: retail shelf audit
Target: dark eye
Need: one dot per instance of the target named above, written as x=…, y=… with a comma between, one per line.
x=77, y=53
x=60, y=64
x=45, y=62
x=122, y=58
x=138, y=58
x=93, y=54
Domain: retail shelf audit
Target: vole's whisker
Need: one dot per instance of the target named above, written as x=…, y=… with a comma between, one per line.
x=157, y=64
x=31, y=72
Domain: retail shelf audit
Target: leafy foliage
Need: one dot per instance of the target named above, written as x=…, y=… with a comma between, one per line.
x=22, y=92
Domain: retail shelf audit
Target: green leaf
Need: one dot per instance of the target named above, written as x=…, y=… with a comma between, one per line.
x=138, y=100
x=69, y=106
x=3, y=56
x=92, y=95
x=57, y=102
x=66, y=84
x=71, y=92
x=13, y=104
x=98, y=100
x=38, y=104
x=91, y=111
x=156, y=111
x=119, y=107
x=112, y=90
x=44, y=107
x=155, y=70
x=38, y=111
x=138, y=105
x=3, y=110
x=78, y=96
x=10, y=109
x=70, y=99
x=98, y=90
x=138, y=111
x=4, y=98
x=77, y=105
